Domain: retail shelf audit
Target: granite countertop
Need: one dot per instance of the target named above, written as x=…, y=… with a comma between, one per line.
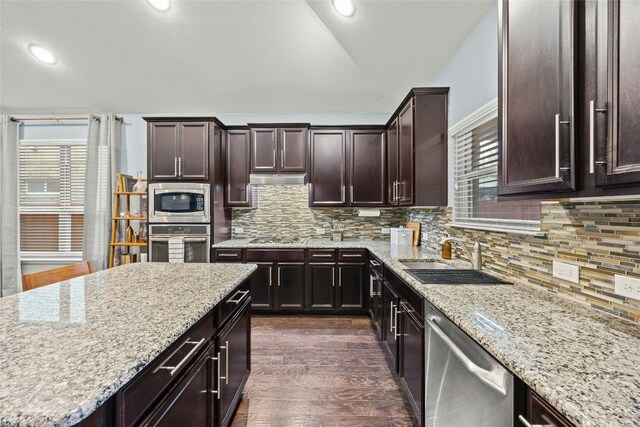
x=68, y=347
x=585, y=363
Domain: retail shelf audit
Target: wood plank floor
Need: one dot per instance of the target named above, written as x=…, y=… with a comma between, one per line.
x=319, y=371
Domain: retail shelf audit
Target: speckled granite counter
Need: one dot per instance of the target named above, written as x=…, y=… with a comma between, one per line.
x=66, y=348
x=583, y=362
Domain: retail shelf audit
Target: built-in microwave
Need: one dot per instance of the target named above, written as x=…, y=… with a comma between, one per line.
x=179, y=202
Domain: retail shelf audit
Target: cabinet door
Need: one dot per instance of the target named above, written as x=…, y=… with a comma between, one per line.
x=163, y=151
x=392, y=163
x=405, y=155
x=614, y=114
x=389, y=324
x=293, y=149
x=264, y=146
x=290, y=292
x=262, y=287
x=234, y=344
x=187, y=404
x=413, y=364
x=367, y=161
x=193, y=163
x=536, y=107
x=351, y=287
x=238, y=191
x=321, y=286
x=539, y=412
x=328, y=168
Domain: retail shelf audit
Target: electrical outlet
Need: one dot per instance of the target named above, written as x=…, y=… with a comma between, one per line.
x=239, y=230
x=568, y=272
x=385, y=230
x=319, y=231
x=627, y=286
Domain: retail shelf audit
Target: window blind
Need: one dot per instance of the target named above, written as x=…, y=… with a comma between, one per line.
x=476, y=182
x=52, y=175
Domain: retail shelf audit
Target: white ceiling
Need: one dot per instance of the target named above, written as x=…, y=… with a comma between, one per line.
x=208, y=57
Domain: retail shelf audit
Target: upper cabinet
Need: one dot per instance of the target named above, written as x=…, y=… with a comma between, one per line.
x=328, y=180
x=536, y=96
x=237, y=155
x=367, y=154
x=417, y=150
x=279, y=150
x=614, y=118
x=178, y=150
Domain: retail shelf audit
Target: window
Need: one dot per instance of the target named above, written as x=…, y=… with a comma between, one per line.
x=476, y=203
x=51, y=198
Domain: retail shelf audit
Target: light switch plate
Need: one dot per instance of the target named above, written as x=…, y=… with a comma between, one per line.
x=565, y=271
x=627, y=286
x=239, y=230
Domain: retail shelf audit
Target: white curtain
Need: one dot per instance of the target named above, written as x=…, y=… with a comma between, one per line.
x=103, y=158
x=9, y=208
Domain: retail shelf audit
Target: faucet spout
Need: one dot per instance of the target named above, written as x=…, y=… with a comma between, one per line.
x=475, y=258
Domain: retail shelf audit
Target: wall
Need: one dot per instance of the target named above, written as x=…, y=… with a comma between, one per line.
x=283, y=211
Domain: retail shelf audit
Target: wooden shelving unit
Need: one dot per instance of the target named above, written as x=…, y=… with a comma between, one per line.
x=119, y=196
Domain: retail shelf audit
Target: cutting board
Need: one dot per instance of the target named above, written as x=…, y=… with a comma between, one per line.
x=415, y=226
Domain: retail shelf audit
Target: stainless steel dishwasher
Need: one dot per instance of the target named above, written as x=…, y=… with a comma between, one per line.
x=465, y=385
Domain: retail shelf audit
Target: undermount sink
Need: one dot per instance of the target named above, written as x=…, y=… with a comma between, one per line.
x=454, y=277
x=425, y=265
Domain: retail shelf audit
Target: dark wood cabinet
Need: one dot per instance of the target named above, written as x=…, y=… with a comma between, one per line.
x=290, y=289
x=614, y=121
x=262, y=286
x=321, y=285
x=375, y=294
x=279, y=150
x=328, y=178
x=367, y=156
x=539, y=412
x=237, y=154
x=390, y=334
x=536, y=97
x=392, y=162
x=412, y=362
x=350, y=287
x=234, y=364
x=187, y=403
x=178, y=150
x=405, y=181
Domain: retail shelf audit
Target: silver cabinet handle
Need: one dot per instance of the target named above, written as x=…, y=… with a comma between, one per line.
x=270, y=276
x=321, y=256
x=343, y=192
x=370, y=286
x=175, y=166
x=352, y=256
x=226, y=362
x=228, y=255
x=236, y=301
x=397, y=333
x=395, y=191
x=374, y=263
x=274, y=159
x=279, y=276
x=173, y=369
x=219, y=390
x=526, y=423
x=180, y=166
x=592, y=135
x=558, y=123
x=282, y=158
x=333, y=277
x=351, y=191
x=494, y=379
x=391, y=317
x=340, y=276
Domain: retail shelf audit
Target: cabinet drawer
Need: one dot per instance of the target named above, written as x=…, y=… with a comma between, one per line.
x=406, y=292
x=136, y=398
x=226, y=255
x=322, y=255
x=233, y=301
x=352, y=255
x=541, y=413
x=271, y=255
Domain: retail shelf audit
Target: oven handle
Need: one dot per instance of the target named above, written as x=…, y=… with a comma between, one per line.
x=493, y=379
x=186, y=239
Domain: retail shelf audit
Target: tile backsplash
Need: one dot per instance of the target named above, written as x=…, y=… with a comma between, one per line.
x=602, y=238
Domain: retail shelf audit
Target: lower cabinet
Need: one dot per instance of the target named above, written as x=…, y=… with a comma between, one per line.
x=412, y=363
x=321, y=287
x=335, y=287
x=186, y=403
x=233, y=365
x=350, y=290
x=289, y=293
x=389, y=324
x=539, y=412
x=262, y=286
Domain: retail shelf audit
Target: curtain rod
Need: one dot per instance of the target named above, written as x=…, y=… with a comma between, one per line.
x=22, y=119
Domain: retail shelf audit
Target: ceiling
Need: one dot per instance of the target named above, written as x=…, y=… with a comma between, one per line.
x=208, y=57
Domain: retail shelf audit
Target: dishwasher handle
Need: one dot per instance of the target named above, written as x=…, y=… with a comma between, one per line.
x=493, y=379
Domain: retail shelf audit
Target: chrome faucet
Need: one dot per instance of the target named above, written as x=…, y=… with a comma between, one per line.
x=475, y=258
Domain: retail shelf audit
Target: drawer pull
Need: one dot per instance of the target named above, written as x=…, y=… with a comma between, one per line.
x=173, y=369
x=526, y=423
x=352, y=255
x=322, y=255
x=236, y=301
x=219, y=390
x=228, y=255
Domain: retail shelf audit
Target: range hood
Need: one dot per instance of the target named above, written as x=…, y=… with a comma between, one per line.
x=278, y=179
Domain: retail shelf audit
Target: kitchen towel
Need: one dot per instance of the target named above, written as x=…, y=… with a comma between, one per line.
x=176, y=249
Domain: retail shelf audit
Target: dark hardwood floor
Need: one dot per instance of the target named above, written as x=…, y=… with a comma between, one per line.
x=319, y=371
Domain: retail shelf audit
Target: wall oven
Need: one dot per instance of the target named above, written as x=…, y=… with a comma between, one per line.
x=195, y=239
x=179, y=203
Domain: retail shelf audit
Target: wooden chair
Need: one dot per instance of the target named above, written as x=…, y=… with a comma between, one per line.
x=47, y=277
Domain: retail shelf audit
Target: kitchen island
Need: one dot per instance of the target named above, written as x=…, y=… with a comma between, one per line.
x=583, y=362
x=67, y=349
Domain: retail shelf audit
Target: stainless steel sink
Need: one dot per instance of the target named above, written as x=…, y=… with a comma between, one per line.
x=426, y=265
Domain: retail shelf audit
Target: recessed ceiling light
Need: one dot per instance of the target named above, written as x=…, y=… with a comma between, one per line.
x=344, y=7
x=161, y=5
x=42, y=54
